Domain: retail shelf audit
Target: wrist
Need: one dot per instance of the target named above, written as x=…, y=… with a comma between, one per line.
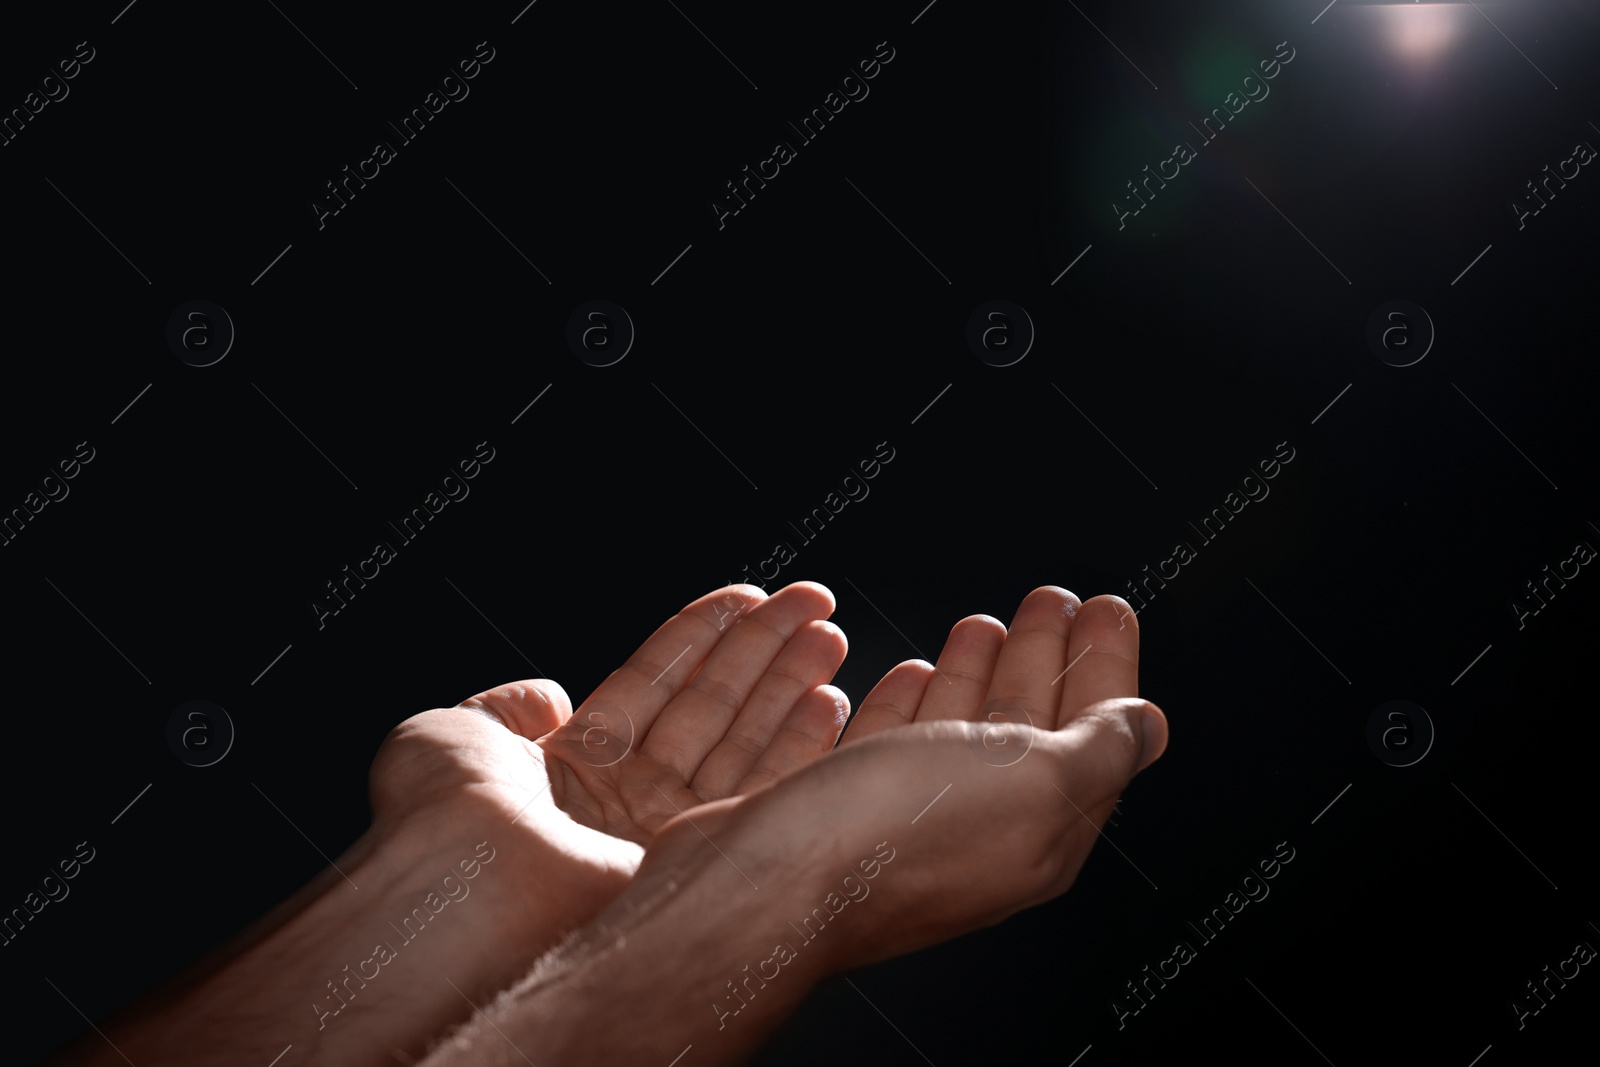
x=706, y=947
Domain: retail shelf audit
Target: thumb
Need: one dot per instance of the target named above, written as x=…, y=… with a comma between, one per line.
x=1112, y=740
x=532, y=707
x=1152, y=727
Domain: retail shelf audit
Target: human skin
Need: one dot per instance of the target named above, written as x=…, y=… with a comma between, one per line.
x=726, y=696
x=649, y=980
x=987, y=816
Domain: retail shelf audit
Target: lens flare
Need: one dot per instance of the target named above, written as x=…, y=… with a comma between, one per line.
x=1420, y=33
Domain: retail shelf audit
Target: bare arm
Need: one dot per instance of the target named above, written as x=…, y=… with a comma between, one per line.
x=500, y=826
x=688, y=956
x=954, y=802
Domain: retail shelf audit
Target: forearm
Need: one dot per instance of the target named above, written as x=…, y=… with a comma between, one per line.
x=690, y=955
x=337, y=974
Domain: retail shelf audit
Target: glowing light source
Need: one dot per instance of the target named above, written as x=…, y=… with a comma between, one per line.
x=1420, y=33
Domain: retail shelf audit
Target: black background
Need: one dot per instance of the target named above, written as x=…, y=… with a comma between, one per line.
x=1220, y=322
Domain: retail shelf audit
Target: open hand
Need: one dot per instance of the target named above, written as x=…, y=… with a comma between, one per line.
x=727, y=695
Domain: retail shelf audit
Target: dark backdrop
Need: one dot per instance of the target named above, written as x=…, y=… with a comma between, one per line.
x=1225, y=322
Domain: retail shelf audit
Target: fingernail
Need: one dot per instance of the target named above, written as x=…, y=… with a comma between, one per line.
x=1154, y=729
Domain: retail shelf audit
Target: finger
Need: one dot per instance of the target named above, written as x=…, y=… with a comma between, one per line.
x=811, y=658
x=532, y=707
x=1081, y=771
x=1027, y=675
x=892, y=702
x=699, y=716
x=628, y=702
x=961, y=677
x=1103, y=657
x=1103, y=748
x=809, y=732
